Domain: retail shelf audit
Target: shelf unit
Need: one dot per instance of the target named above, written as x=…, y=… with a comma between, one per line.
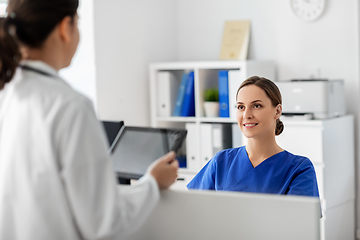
x=205, y=76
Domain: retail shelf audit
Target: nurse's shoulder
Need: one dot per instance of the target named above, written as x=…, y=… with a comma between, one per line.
x=299, y=162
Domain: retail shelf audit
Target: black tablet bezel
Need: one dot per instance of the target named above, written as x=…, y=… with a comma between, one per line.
x=182, y=136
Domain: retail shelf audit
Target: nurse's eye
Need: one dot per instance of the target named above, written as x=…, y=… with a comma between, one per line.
x=240, y=107
x=257, y=106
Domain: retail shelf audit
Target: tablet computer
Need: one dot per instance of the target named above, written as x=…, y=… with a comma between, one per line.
x=135, y=148
x=112, y=129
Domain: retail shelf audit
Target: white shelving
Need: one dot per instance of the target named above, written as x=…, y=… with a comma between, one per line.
x=205, y=76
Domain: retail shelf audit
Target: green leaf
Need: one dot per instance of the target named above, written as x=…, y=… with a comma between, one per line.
x=211, y=95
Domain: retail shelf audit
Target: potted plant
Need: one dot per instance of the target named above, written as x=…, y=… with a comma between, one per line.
x=211, y=102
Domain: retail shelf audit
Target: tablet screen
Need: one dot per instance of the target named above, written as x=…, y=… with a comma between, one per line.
x=135, y=148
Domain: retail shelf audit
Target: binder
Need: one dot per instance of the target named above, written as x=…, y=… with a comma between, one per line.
x=188, y=106
x=192, y=158
x=166, y=88
x=214, y=138
x=236, y=135
x=223, y=84
x=235, y=42
x=221, y=137
x=235, y=80
x=206, y=141
x=180, y=95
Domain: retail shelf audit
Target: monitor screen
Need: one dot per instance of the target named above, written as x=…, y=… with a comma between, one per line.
x=135, y=148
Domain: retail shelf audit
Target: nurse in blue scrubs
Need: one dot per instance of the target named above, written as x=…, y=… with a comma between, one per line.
x=261, y=166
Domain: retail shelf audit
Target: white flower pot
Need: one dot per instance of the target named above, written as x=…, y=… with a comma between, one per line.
x=211, y=109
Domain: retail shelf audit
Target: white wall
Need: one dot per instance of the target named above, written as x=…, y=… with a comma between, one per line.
x=81, y=73
x=131, y=34
x=128, y=36
x=3, y=9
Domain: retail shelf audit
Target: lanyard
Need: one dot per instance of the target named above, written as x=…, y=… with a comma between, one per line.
x=35, y=70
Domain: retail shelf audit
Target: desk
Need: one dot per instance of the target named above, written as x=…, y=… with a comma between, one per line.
x=210, y=215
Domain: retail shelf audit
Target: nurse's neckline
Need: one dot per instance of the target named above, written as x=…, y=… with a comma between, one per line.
x=278, y=153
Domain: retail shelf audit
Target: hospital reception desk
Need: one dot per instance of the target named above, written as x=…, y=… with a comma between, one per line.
x=211, y=215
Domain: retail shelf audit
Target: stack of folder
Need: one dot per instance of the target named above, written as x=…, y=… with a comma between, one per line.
x=185, y=102
x=228, y=81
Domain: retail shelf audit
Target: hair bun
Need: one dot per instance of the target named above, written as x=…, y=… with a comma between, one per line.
x=279, y=127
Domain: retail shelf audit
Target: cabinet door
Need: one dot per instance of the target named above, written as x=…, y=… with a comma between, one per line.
x=192, y=154
x=303, y=140
x=319, y=169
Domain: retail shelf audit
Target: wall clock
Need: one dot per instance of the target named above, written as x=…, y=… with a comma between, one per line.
x=308, y=10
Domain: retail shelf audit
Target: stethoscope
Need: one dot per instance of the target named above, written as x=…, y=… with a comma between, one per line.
x=6, y=102
x=36, y=70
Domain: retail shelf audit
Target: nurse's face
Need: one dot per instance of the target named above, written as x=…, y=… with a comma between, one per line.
x=256, y=116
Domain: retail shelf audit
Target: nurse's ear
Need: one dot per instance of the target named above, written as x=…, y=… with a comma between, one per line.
x=278, y=111
x=66, y=28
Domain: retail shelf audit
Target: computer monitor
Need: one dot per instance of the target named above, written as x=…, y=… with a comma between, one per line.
x=135, y=148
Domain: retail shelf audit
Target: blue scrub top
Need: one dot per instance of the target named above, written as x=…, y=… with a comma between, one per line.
x=282, y=173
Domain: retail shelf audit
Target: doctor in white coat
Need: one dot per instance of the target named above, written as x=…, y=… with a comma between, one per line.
x=56, y=181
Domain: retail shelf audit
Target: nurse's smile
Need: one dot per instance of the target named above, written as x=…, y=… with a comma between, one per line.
x=250, y=125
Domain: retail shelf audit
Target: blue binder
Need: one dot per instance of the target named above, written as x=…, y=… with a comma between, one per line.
x=223, y=83
x=188, y=106
x=180, y=96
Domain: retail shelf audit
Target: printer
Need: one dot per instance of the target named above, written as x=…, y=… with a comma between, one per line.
x=319, y=98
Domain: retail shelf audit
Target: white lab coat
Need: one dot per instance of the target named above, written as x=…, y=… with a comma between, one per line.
x=56, y=180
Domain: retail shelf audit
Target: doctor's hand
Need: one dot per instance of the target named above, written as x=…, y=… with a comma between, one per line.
x=164, y=170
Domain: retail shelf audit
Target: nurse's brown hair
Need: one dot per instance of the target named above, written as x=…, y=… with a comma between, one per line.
x=29, y=23
x=271, y=90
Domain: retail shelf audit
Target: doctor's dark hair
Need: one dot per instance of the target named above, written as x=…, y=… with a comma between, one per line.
x=271, y=90
x=29, y=23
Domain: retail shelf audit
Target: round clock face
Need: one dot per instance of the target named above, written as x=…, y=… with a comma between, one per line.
x=308, y=10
